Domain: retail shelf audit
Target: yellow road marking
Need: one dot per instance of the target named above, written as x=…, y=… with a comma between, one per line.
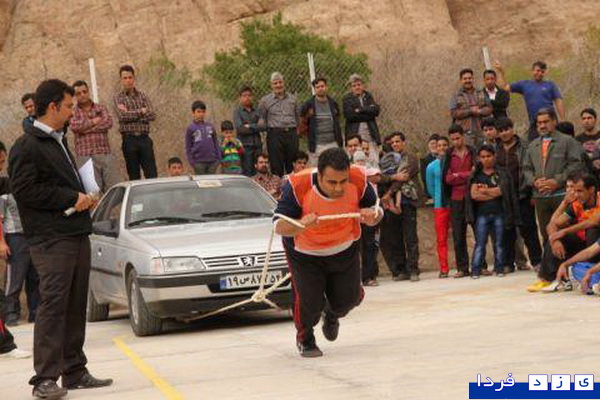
x=162, y=385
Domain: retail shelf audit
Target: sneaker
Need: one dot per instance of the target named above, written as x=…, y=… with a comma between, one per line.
x=400, y=277
x=414, y=278
x=485, y=272
x=331, y=326
x=596, y=288
x=48, y=389
x=537, y=286
x=558, y=287
x=500, y=274
x=475, y=276
x=16, y=354
x=460, y=274
x=309, y=349
x=371, y=282
x=443, y=275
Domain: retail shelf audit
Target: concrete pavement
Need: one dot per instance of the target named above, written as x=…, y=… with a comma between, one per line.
x=423, y=340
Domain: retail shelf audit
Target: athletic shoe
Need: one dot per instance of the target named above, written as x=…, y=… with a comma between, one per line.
x=16, y=354
x=537, y=286
x=461, y=274
x=400, y=277
x=371, y=282
x=443, y=275
x=558, y=287
x=309, y=349
x=474, y=276
x=596, y=288
x=414, y=278
x=331, y=326
x=500, y=274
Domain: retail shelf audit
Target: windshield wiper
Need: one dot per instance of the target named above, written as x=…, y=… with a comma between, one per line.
x=168, y=220
x=237, y=213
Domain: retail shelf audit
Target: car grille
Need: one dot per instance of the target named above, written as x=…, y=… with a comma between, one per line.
x=256, y=260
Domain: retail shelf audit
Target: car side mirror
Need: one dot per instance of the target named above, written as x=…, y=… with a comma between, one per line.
x=106, y=228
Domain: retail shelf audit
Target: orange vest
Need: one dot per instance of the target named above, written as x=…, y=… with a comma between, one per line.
x=329, y=233
x=581, y=214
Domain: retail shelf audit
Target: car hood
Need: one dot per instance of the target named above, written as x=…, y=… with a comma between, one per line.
x=211, y=239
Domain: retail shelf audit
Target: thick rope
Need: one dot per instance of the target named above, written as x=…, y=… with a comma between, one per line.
x=260, y=295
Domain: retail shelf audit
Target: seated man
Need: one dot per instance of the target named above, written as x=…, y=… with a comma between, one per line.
x=566, y=244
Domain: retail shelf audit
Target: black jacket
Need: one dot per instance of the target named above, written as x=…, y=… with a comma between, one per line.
x=44, y=184
x=510, y=200
x=355, y=113
x=500, y=103
x=447, y=189
x=308, y=112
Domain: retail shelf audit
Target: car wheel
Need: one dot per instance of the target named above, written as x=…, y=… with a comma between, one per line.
x=96, y=312
x=142, y=321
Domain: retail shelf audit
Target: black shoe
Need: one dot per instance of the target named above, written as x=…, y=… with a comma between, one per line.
x=443, y=275
x=400, y=277
x=48, y=389
x=309, y=349
x=414, y=278
x=331, y=326
x=87, y=381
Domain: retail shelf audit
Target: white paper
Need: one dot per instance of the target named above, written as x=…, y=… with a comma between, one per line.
x=86, y=173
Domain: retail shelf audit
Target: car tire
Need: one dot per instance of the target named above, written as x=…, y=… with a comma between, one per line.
x=96, y=312
x=142, y=321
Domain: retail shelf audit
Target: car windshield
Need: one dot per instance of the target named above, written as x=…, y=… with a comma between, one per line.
x=172, y=203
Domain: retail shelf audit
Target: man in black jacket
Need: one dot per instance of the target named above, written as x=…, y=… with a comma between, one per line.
x=322, y=116
x=360, y=111
x=45, y=183
x=498, y=97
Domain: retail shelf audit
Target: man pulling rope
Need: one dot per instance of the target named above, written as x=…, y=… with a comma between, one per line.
x=322, y=252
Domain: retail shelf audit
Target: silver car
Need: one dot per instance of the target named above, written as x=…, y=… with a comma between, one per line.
x=180, y=247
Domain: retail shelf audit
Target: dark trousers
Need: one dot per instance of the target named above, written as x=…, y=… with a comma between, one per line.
x=529, y=232
x=7, y=342
x=138, y=151
x=458, y=221
x=205, y=168
x=251, y=152
x=330, y=283
x=282, y=145
x=400, y=242
x=573, y=244
x=64, y=269
x=544, y=208
x=19, y=271
x=368, y=252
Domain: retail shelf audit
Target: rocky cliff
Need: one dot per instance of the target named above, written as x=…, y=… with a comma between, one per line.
x=54, y=38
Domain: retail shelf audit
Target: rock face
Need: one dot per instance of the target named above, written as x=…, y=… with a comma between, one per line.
x=50, y=38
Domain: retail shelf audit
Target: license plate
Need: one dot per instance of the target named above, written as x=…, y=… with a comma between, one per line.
x=248, y=280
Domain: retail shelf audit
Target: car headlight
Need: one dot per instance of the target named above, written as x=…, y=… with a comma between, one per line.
x=178, y=264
